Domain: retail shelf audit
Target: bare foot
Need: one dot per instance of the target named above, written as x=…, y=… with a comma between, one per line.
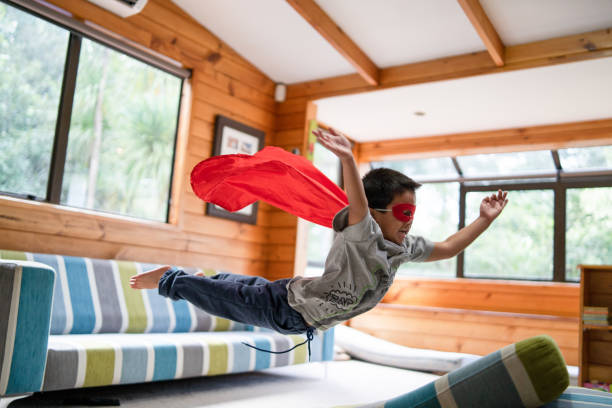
x=148, y=279
x=199, y=273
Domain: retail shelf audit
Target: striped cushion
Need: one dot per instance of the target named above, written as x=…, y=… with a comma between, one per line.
x=95, y=360
x=578, y=397
x=93, y=296
x=26, y=289
x=529, y=373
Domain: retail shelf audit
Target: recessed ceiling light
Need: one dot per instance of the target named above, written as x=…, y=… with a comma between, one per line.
x=419, y=113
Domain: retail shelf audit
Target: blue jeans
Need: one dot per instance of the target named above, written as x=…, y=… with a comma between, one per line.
x=246, y=299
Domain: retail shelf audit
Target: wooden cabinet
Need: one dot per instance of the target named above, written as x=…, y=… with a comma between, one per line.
x=595, y=359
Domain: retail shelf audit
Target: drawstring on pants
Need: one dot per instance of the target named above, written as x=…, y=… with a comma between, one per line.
x=309, y=338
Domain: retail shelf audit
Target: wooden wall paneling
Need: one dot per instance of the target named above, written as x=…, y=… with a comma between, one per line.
x=215, y=97
x=235, y=88
x=465, y=331
x=541, y=298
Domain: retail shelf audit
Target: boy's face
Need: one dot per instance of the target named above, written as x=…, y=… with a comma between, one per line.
x=393, y=229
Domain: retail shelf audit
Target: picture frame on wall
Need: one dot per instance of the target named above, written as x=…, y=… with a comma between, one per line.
x=232, y=137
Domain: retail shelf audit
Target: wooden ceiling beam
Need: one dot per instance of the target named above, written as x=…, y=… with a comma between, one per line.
x=321, y=22
x=574, y=134
x=487, y=33
x=572, y=48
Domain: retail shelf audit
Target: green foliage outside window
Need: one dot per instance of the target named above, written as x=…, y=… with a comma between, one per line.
x=519, y=243
x=436, y=218
x=122, y=132
x=32, y=55
x=588, y=229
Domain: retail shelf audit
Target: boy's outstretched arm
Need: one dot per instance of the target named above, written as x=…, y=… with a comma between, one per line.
x=338, y=144
x=490, y=208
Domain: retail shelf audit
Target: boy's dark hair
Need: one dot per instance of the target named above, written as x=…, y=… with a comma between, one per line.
x=382, y=184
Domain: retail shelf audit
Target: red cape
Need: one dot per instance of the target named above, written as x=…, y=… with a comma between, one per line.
x=281, y=179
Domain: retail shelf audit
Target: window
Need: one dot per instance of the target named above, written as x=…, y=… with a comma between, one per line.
x=588, y=229
x=84, y=124
x=119, y=156
x=559, y=214
x=501, y=164
x=320, y=238
x=519, y=244
x=586, y=158
x=32, y=55
x=436, y=222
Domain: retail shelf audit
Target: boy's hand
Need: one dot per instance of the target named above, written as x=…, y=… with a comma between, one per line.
x=335, y=142
x=492, y=206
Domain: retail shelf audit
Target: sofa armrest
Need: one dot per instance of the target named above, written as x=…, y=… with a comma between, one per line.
x=26, y=295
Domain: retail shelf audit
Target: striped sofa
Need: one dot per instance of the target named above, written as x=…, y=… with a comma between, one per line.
x=70, y=322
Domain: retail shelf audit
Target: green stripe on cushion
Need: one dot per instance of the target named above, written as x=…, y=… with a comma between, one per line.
x=221, y=324
x=100, y=364
x=137, y=315
x=544, y=365
x=218, y=357
x=300, y=354
x=16, y=255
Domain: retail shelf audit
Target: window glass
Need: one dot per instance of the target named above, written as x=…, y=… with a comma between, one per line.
x=436, y=218
x=506, y=163
x=122, y=135
x=422, y=169
x=320, y=238
x=586, y=158
x=588, y=229
x=519, y=243
x=32, y=57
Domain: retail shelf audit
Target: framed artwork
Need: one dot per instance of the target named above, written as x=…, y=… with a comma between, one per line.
x=233, y=137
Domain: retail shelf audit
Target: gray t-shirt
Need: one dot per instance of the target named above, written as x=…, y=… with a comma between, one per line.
x=359, y=270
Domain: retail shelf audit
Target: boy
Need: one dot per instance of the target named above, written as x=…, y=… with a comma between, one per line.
x=371, y=243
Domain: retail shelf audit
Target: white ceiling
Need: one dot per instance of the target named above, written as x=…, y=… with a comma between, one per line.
x=555, y=94
x=276, y=39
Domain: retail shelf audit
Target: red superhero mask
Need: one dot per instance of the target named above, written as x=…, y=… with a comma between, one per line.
x=403, y=212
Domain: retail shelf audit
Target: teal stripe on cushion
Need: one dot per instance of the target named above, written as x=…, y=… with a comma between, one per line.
x=160, y=312
x=328, y=345
x=183, y=317
x=80, y=296
x=423, y=397
x=242, y=356
x=158, y=304
x=165, y=361
x=32, y=331
x=133, y=364
x=262, y=360
x=58, y=313
x=578, y=397
x=494, y=389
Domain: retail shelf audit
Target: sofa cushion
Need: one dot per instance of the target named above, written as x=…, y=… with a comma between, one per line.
x=528, y=374
x=93, y=296
x=75, y=361
x=578, y=397
x=26, y=290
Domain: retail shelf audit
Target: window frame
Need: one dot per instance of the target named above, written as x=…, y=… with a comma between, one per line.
x=559, y=181
x=559, y=189
x=77, y=32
